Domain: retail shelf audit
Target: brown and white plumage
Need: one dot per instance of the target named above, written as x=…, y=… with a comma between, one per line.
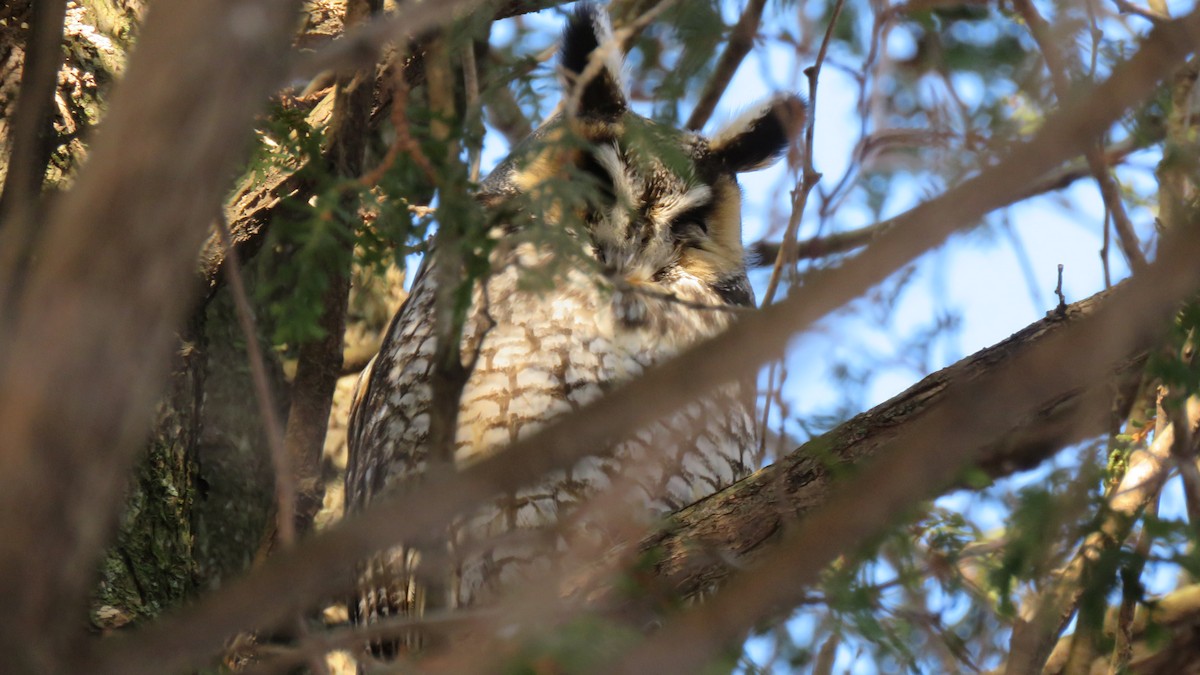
x=658, y=261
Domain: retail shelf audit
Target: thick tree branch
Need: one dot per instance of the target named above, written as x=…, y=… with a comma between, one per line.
x=320, y=360
x=710, y=539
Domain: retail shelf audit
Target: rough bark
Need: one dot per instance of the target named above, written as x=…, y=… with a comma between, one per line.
x=704, y=543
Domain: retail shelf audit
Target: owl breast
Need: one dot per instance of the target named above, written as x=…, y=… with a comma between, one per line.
x=539, y=355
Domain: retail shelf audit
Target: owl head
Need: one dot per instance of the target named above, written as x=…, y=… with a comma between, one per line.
x=661, y=202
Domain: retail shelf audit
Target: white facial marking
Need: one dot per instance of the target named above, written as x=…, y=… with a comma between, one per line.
x=675, y=205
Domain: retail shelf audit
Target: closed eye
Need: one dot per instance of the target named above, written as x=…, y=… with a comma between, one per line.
x=592, y=168
x=692, y=224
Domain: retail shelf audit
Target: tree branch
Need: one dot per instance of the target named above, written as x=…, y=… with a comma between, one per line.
x=1109, y=190
x=763, y=253
x=710, y=539
x=741, y=39
x=320, y=360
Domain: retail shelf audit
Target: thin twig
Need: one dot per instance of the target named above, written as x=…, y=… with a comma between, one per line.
x=741, y=39
x=1058, y=291
x=404, y=141
x=1109, y=190
x=765, y=252
x=474, y=113
x=1131, y=593
x=1104, y=249
x=810, y=177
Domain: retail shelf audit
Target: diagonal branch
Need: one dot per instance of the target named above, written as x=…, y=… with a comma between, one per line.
x=741, y=39
x=708, y=540
x=764, y=253
x=1034, y=638
x=1109, y=190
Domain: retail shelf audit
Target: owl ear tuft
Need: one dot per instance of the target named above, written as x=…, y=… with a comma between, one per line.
x=603, y=95
x=760, y=136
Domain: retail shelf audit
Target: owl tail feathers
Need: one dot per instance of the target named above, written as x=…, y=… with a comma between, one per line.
x=388, y=591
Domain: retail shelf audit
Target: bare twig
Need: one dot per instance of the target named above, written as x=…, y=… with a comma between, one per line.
x=741, y=39
x=1109, y=191
x=788, y=255
x=403, y=143
x=1058, y=291
x=810, y=177
x=765, y=252
x=1131, y=594
x=821, y=246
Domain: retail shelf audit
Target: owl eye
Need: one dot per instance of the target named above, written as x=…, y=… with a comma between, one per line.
x=691, y=225
x=602, y=179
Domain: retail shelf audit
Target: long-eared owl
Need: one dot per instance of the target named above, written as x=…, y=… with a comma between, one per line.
x=659, y=265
